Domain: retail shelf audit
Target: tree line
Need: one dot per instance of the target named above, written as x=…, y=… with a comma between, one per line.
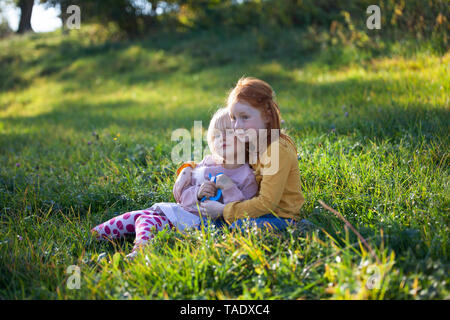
x=138, y=17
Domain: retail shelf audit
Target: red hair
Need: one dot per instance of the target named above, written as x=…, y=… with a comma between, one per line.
x=260, y=95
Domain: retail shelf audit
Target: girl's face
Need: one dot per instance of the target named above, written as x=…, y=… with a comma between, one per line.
x=244, y=117
x=225, y=144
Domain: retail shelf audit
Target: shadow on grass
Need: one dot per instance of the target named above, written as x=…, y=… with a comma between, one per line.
x=339, y=106
x=151, y=59
x=136, y=62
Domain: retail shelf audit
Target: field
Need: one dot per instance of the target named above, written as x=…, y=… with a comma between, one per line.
x=85, y=134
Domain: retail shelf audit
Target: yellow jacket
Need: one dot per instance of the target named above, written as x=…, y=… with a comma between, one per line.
x=279, y=193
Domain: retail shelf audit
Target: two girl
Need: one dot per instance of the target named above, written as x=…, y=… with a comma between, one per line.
x=268, y=192
x=251, y=107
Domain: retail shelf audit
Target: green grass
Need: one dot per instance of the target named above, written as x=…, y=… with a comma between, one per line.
x=85, y=129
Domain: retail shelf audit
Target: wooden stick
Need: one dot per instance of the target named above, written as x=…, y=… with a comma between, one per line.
x=352, y=228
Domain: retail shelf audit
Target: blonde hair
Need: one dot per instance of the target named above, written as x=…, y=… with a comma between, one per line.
x=220, y=121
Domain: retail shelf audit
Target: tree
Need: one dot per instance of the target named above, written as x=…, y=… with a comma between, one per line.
x=125, y=13
x=26, y=9
x=64, y=4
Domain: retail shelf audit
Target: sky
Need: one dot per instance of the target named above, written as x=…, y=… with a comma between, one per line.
x=45, y=19
x=42, y=19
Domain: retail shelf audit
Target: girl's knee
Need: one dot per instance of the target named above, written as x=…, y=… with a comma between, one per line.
x=139, y=219
x=142, y=219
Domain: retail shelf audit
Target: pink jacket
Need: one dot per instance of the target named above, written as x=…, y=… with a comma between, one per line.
x=245, y=184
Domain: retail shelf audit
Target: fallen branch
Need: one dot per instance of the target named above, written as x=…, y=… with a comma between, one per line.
x=372, y=252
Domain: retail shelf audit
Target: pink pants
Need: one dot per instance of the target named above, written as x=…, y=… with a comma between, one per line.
x=143, y=223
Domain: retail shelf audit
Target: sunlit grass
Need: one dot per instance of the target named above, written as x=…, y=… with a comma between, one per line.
x=85, y=132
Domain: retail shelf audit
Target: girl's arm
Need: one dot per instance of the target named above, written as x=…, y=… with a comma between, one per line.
x=191, y=191
x=232, y=194
x=183, y=179
x=246, y=190
x=189, y=196
x=182, y=182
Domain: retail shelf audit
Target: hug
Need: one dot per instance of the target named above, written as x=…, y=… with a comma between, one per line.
x=264, y=189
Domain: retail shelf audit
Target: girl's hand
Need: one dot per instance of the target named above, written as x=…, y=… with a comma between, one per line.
x=224, y=182
x=212, y=209
x=207, y=189
x=183, y=179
